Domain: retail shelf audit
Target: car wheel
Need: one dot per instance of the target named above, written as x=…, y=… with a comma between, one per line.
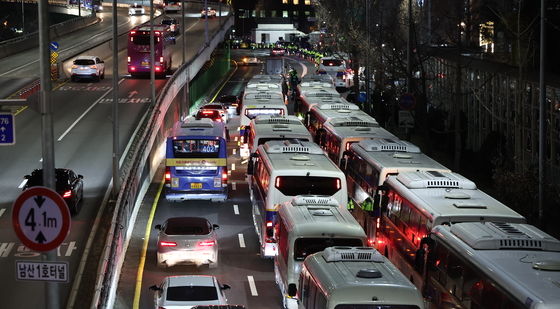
x=213, y=265
x=103, y=74
x=74, y=209
x=162, y=265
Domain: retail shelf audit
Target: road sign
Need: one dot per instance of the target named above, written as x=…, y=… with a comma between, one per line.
x=407, y=101
x=53, y=46
x=42, y=271
x=40, y=218
x=7, y=129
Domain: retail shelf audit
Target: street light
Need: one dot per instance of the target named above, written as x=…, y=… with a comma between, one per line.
x=22, y=16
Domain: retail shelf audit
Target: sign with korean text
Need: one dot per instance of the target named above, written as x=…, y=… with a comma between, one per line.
x=42, y=271
x=41, y=218
x=7, y=129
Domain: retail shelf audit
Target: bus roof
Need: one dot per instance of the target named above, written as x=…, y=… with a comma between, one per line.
x=199, y=127
x=448, y=197
x=393, y=156
x=316, y=84
x=263, y=95
x=326, y=113
x=291, y=157
x=156, y=28
x=279, y=126
x=520, y=258
x=310, y=220
x=318, y=92
x=317, y=78
x=352, y=280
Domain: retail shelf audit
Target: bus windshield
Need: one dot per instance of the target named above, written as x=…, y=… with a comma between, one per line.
x=254, y=112
x=302, y=185
x=304, y=247
x=196, y=148
x=143, y=39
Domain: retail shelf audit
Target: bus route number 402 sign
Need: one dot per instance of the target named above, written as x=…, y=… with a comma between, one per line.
x=40, y=218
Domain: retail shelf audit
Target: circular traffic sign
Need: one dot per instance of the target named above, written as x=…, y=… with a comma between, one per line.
x=41, y=218
x=407, y=101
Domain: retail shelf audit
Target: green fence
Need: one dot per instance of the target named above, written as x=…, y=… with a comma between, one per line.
x=208, y=79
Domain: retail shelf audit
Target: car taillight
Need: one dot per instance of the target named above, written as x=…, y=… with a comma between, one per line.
x=132, y=32
x=74, y=66
x=207, y=112
x=93, y=67
x=371, y=242
x=167, y=244
x=167, y=174
x=206, y=243
x=67, y=194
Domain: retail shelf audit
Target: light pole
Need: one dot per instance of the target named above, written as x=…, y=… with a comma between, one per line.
x=22, y=16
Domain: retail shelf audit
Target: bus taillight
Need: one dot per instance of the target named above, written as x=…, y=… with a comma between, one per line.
x=268, y=223
x=167, y=175
x=133, y=68
x=161, y=59
x=158, y=69
x=224, y=176
x=128, y=59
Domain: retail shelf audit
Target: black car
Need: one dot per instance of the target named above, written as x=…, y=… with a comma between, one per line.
x=172, y=23
x=68, y=184
x=230, y=101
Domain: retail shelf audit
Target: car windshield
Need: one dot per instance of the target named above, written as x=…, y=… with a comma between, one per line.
x=332, y=62
x=168, y=22
x=84, y=62
x=36, y=179
x=228, y=99
x=192, y=293
x=196, y=148
x=254, y=112
x=135, y=6
x=212, y=107
x=298, y=185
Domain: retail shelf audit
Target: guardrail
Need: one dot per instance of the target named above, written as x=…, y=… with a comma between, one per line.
x=143, y=159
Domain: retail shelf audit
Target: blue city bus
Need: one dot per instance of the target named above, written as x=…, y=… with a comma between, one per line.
x=196, y=161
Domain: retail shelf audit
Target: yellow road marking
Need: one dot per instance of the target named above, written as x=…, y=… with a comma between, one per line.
x=21, y=109
x=140, y=273
x=225, y=81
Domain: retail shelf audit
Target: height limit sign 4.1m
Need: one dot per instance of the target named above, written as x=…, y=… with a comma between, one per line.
x=40, y=218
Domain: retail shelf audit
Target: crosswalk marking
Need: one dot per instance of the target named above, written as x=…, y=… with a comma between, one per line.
x=233, y=185
x=2, y=211
x=5, y=248
x=236, y=209
x=233, y=166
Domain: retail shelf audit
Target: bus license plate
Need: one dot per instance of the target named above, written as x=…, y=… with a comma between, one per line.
x=196, y=185
x=145, y=63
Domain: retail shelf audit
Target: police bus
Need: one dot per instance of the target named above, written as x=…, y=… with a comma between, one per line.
x=259, y=103
x=196, y=161
x=309, y=97
x=491, y=265
x=354, y=277
x=418, y=201
x=321, y=113
x=338, y=134
x=266, y=128
x=280, y=170
x=368, y=163
x=306, y=225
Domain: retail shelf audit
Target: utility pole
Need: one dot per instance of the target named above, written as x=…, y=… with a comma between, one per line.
x=47, y=135
x=542, y=107
x=206, y=23
x=368, y=108
x=409, y=50
x=115, y=107
x=152, y=56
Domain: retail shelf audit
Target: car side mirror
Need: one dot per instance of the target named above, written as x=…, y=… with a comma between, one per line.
x=292, y=289
x=27, y=176
x=81, y=176
x=155, y=288
x=225, y=287
x=158, y=227
x=215, y=227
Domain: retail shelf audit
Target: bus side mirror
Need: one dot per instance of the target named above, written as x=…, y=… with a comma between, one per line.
x=292, y=290
x=158, y=227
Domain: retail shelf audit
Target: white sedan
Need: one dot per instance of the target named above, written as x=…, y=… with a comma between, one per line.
x=188, y=291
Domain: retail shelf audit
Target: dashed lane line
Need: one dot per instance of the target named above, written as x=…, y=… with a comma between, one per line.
x=235, y=209
x=241, y=240
x=252, y=286
x=3, y=210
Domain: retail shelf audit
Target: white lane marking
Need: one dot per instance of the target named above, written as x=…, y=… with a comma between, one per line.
x=6, y=248
x=304, y=71
x=235, y=209
x=71, y=247
x=4, y=210
x=233, y=166
x=252, y=286
x=241, y=240
x=234, y=151
x=85, y=113
x=236, y=138
x=22, y=184
x=244, y=161
x=233, y=185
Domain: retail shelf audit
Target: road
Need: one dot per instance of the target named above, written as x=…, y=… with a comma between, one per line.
x=240, y=266
x=83, y=142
